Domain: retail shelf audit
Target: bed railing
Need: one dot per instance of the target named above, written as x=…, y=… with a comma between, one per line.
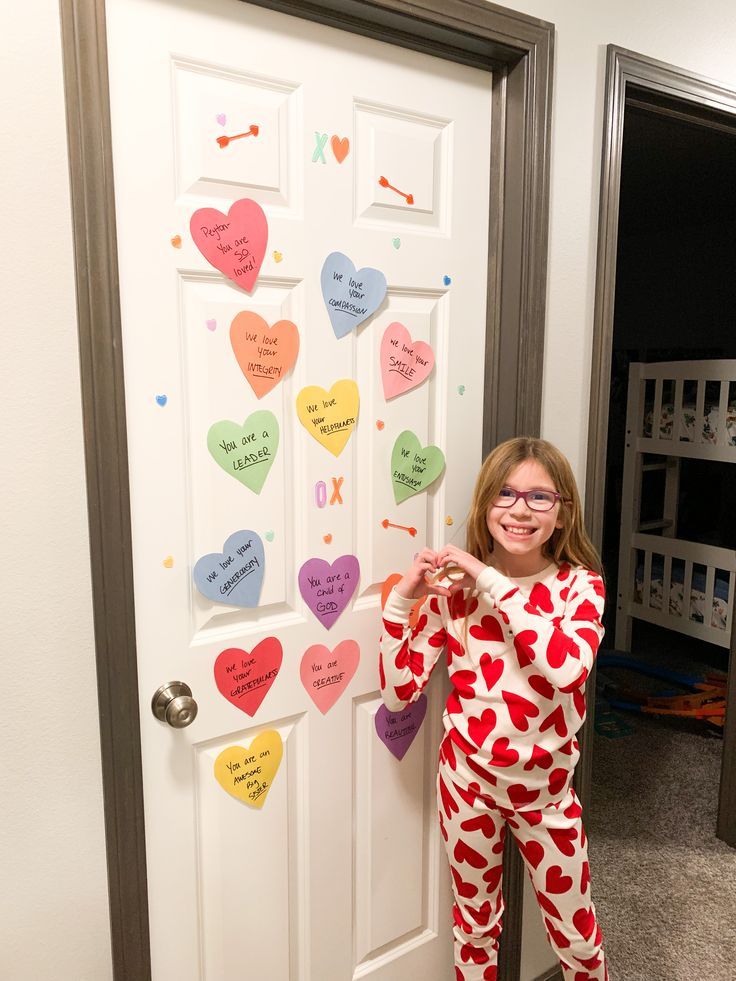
x=652, y=590
x=700, y=395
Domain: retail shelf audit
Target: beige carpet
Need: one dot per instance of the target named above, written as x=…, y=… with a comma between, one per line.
x=664, y=886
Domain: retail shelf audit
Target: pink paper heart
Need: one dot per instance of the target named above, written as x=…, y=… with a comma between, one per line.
x=234, y=243
x=326, y=674
x=404, y=363
x=244, y=678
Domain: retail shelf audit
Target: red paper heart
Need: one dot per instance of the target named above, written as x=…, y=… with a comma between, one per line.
x=244, y=678
x=234, y=243
x=520, y=709
x=556, y=882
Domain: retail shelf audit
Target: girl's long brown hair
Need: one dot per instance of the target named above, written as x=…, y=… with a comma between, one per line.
x=567, y=544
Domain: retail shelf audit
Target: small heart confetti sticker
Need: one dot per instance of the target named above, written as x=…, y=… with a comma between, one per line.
x=162, y=400
x=396, y=242
x=176, y=241
x=269, y=536
x=327, y=538
x=168, y=562
x=221, y=118
x=461, y=390
x=277, y=257
x=248, y=774
x=446, y=280
x=211, y=324
x=380, y=424
x=448, y=520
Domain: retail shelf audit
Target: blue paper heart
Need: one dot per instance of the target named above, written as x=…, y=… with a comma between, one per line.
x=161, y=399
x=350, y=296
x=235, y=575
x=446, y=280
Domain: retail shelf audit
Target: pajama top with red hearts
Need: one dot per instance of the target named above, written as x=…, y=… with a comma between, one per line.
x=518, y=676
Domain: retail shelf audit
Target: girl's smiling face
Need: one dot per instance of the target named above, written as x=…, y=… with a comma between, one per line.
x=520, y=534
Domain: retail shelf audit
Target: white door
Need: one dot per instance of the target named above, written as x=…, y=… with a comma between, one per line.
x=340, y=872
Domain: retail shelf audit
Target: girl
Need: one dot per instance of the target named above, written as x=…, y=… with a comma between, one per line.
x=519, y=616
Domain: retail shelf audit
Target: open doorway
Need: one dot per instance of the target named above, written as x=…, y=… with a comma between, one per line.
x=659, y=499
x=664, y=453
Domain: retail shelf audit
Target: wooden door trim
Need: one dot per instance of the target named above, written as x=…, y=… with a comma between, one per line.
x=650, y=80
x=519, y=50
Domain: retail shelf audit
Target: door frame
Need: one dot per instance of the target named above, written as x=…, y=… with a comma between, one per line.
x=518, y=49
x=656, y=86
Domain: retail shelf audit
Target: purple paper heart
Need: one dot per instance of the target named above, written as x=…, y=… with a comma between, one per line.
x=327, y=588
x=398, y=729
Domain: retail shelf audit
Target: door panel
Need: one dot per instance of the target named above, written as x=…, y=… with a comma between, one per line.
x=341, y=873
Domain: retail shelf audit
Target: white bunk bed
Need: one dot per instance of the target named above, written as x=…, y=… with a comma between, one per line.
x=675, y=409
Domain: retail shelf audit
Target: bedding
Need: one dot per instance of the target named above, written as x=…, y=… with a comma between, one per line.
x=687, y=424
x=677, y=587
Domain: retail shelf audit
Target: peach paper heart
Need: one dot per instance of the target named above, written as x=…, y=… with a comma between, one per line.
x=326, y=674
x=404, y=363
x=234, y=243
x=265, y=354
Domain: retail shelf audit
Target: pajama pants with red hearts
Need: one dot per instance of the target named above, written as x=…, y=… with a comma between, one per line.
x=554, y=848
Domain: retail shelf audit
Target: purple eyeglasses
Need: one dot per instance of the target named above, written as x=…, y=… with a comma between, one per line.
x=535, y=500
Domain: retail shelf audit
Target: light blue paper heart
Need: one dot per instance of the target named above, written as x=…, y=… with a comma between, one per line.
x=350, y=296
x=234, y=575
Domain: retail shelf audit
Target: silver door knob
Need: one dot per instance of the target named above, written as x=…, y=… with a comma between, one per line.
x=173, y=704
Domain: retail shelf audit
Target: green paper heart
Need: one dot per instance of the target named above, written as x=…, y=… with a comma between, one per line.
x=414, y=467
x=246, y=452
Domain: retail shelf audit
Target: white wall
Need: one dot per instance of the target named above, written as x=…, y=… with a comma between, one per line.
x=53, y=912
x=53, y=892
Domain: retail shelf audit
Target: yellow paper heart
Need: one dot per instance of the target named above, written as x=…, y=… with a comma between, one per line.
x=249, y=773
x=329, y=416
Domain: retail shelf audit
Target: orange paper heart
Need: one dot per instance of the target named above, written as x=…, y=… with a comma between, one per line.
x=340, y=147
x=386, y=589
x=265, y=354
